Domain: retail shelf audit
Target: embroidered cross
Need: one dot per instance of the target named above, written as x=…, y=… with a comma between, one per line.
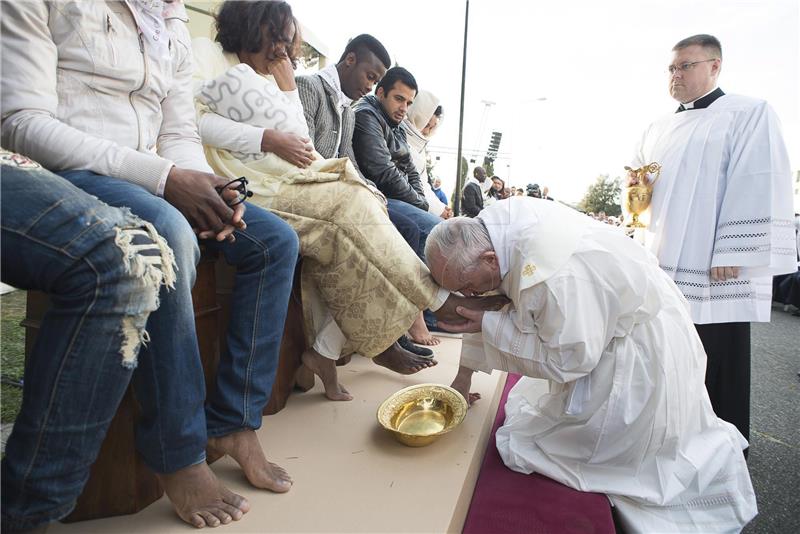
x=529, y=270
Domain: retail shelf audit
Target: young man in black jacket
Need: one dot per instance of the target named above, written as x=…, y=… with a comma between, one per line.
x=383, y=156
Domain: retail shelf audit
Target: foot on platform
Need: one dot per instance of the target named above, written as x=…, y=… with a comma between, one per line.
x=401, y=361
x=419, y=332
x=325, y=369
x=244, y=447
x=200, y=499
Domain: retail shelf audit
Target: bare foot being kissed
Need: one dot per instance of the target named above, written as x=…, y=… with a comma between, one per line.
x=244, y=447
x=447, y=313
x=325, y=369
x=402, y=361
x=420, y=334
x=200, y=499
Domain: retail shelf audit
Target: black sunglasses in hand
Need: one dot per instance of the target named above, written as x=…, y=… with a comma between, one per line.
x=241, y=190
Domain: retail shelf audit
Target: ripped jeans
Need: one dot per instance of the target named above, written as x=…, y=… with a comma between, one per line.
x=103, y=268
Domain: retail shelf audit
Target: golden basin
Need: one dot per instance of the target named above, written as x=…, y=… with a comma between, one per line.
x=418, y=415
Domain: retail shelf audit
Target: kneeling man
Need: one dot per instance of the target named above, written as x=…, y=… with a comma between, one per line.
x=627, y=413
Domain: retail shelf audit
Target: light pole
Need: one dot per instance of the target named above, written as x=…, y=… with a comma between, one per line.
x=459, y=181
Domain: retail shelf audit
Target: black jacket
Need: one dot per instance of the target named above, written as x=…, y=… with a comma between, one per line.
x=472, y=199
x=383, y=155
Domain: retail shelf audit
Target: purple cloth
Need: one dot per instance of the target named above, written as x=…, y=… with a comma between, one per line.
x=509, y=502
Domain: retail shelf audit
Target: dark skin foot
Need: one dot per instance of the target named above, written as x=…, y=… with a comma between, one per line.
x=401, y=361
x=200, y=499
x=325, y=369
x=244, y=447
x=447, y=313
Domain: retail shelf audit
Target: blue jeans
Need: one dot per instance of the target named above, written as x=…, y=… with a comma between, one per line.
x=58, y=239
x=168, y=382
x=423, y=220
x=401, y=213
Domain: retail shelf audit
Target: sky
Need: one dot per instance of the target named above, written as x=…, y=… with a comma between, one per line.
x=575, y=82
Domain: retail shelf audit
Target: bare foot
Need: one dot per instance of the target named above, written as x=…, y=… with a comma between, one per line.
x=200, y=499
x=462, y=383
x=401, y=361
x=447, y=313
x=244, y=447
x=325, y=369
x=420, y=334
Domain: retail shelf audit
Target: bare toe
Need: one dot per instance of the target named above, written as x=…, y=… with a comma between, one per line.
x=209, y=518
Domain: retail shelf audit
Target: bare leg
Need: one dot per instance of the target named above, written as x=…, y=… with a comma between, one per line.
x=401, y=361
x=462, y=382
x=200, y=499
x=325, y=369
x=419, y=332
x=244, y=447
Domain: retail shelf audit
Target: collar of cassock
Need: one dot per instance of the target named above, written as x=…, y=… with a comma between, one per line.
x=702, y=102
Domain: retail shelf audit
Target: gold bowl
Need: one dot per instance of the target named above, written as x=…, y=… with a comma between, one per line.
x=418, y=415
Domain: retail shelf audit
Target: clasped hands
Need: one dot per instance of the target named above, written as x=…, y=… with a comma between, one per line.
x=204, y=199
x=465, y=314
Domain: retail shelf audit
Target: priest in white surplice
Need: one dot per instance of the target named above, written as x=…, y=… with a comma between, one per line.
x=627, y=413
x=721, y=215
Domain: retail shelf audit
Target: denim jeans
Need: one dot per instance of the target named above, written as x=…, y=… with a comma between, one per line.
x=168, y=382
x=422, y=219
x=424, y=222
x=102, y=267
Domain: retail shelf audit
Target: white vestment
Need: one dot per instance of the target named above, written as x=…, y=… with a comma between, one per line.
x=724, y=198
x=627, y=413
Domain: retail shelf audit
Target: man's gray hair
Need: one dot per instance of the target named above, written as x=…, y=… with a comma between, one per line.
x=460, y=241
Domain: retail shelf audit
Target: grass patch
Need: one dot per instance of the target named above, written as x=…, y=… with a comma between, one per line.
x=12, y=353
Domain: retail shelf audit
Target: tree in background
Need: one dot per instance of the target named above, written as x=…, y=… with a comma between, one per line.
x=488, y=166
x=603, y=195
x=462, y=172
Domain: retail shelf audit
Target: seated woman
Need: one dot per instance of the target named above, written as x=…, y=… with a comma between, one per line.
x=362, y=284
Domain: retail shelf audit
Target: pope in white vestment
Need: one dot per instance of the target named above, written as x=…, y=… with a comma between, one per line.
x=627, y=413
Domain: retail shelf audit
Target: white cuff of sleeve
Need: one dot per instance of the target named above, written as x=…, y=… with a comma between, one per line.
x=146, y=170
x=162, y=184
x=252, y=138
x=441, y=296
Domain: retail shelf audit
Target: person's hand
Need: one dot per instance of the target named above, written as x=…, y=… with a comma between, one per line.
x=462, y=383
x=721, y=274
x=283, y=71
x=472, y=325
x=447, y=213
x=288, y=146
x=193, y=193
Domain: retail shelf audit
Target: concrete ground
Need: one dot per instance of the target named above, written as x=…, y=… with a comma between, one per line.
x=775, y=424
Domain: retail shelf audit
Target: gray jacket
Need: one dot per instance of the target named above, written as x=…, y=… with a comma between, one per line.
x=319, y=105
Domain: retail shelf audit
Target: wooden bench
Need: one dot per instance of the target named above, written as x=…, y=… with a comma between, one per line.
x=120, y=483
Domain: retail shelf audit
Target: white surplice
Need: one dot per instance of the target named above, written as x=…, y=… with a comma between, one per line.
x=724, y=198
x=627, y=413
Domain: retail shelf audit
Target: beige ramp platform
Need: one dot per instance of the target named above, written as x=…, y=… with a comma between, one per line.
x=350, y=475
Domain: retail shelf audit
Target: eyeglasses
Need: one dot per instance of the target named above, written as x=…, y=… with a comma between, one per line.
x=687, y=65
x=241, y=190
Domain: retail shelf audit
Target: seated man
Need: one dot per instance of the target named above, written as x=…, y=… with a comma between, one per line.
x=81, y=108
x=327, y=97
x=384, y=156
x=105, y=284
x=362, y=285
x=627, y=413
